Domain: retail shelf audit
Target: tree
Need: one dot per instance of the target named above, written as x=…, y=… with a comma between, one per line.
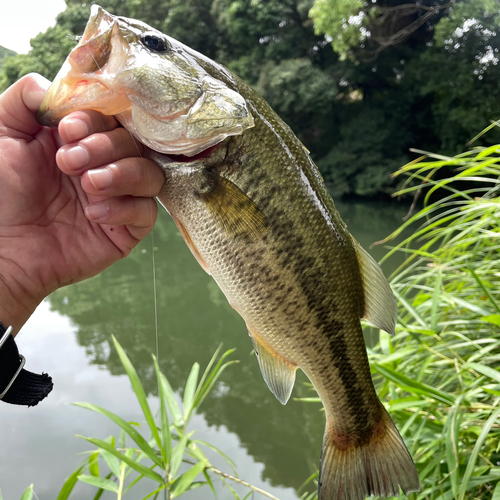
x=360, y=83
x=424, y=76
x=48, y=51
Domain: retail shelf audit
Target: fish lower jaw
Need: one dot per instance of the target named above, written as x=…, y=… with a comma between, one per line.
x=178, y=144
x=168, y=160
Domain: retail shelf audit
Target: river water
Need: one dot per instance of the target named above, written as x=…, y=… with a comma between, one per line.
x=275, y=447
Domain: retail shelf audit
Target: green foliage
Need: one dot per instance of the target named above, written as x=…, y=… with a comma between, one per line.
x=3, y=78
x=28, y=493
x=440, y=374
x=169, y=447
x=5, y=53
x=483, y=12
x=396, y=74
x=48, y=52
x=342, y=21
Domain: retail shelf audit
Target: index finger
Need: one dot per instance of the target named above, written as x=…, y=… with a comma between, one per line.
x=81, y=124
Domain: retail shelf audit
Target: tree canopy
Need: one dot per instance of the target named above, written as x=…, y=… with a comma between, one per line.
x=359, y=82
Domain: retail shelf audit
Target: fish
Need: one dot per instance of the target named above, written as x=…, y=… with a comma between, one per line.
x=257, y=216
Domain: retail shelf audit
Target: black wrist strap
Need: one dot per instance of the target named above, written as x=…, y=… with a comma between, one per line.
x=17, y=385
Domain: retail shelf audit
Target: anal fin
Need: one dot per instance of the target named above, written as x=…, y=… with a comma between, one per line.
x=278, y=373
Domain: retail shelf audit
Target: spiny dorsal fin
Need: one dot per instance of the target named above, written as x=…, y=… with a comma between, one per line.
x=278, y=373
x=233, y=209
x=380, y=306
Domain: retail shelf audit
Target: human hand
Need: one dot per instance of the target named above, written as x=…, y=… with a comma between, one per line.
x=72, y=201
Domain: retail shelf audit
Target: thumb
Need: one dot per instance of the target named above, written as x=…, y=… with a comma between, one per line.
x=19, y=105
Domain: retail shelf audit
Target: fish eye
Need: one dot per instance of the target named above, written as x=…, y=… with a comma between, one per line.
x=154, y=42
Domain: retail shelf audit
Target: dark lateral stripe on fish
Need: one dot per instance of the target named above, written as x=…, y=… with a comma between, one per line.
x=322, y=310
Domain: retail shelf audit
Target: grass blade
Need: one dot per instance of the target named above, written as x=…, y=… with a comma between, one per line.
x=177, y=455
x=475, y=452
x=166, y=449
x=129, y=429
x=171, y=402
x=99, y=482
x=496, y=493
x=485, y=370
x=183, y=482
x=94, y=464
x=208, y=381
x=413, y=386
x=69, y=484
x=100, y=491
x=28, y=493
x=112, y=461
x=189, y=390
x=155, y=492
x=139, y=390
x=129, y=461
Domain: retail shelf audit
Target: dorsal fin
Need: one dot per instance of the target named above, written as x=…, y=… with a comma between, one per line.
x=278, y=373
x=380, y=306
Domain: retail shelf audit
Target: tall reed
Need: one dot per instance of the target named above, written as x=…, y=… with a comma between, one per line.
x=439, y=375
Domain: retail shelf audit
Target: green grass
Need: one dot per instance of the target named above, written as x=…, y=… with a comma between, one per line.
x=170, y=455
x=439, y=375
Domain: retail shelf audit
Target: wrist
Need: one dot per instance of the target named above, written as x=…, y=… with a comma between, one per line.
x=17, y=303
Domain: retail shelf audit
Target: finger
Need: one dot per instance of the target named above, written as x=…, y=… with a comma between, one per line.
x=80, y=124
x=137, y=214
x=97, y=150
x=130, y=176
x=19, y=105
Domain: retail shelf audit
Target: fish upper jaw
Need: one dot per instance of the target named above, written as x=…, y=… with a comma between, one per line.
x=166, y=100
x=87, y=78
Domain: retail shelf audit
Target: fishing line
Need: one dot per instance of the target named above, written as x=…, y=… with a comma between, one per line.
x=153, y=262
x=154, y=291
x=155, y=294
x=96, y=63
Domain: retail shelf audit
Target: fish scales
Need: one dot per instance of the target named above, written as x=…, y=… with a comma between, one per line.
x=254, y=210
x=319, y=338
x=292, y=300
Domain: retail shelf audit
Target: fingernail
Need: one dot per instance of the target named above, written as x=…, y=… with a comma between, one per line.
x=101, y=178
x=76, y=157
x=96, y=212
x=76, y=129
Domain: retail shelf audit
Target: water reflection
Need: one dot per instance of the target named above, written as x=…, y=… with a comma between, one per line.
x=194, y=318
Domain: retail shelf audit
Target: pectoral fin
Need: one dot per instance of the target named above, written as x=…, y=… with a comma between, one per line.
x=380, y=306
x=278, y=373
x=233, y=209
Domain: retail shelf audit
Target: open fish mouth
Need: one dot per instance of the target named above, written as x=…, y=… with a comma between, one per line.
x=81, y=81
x=155, y=87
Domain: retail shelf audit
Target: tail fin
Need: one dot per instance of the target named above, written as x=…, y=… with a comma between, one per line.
x=378, y=468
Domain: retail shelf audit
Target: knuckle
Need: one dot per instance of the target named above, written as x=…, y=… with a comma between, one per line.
x=136, y=210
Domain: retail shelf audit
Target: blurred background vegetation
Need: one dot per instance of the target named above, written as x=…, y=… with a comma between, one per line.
x=359, y=82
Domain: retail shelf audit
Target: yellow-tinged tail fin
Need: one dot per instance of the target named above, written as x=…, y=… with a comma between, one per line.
x=381, y=467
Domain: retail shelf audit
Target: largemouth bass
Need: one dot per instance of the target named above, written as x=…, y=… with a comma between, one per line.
x=252, y=207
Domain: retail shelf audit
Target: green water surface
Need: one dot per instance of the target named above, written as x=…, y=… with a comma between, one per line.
x=278, y=445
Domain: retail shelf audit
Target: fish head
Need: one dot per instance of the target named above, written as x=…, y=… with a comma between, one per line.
x=155, y=86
